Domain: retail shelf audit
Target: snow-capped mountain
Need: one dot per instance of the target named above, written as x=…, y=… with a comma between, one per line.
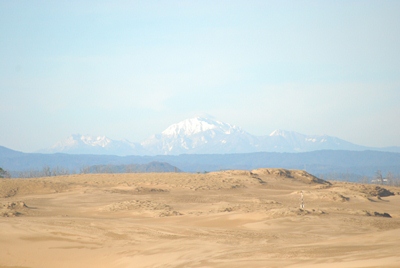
x=290, y=141
x=204, y=135
x=200, y=135
x=86, y=144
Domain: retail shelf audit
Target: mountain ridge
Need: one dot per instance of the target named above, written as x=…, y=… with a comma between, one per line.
x=205, y=135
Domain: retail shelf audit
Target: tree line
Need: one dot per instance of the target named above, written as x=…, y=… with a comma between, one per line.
x=389, y=179
x=47, y=171
x=4, y=173
x=378, y=178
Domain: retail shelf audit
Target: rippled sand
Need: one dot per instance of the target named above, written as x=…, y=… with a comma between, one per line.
x=221, y=219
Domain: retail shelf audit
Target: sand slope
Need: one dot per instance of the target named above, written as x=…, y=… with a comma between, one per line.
x=219, y=219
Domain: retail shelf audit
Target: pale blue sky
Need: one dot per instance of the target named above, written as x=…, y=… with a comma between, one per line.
x=129, y=69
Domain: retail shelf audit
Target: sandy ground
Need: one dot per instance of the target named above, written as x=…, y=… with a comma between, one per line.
x=221, y=219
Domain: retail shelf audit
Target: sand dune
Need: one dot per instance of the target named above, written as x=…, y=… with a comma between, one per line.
x=218, y=219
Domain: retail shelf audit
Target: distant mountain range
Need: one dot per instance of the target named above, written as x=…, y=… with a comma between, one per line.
x=205, y=135
x=101, y=145
x=203, y=144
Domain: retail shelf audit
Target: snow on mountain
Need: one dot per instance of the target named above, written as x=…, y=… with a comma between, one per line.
x=203, y=135
x=290, y=141
x=77, y=139
x=86, y=144
x=279, y=132
x=200, y=135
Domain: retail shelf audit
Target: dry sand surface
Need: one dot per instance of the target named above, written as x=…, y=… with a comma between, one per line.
x=219, y=219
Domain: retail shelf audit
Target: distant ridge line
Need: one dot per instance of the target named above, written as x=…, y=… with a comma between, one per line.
x=206, y=135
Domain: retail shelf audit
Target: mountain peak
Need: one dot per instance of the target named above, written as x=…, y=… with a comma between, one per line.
x=75, y=139
x=101, y=141
x=200, y=134
x=88, y=144
x=197, y=125
x=279, y=132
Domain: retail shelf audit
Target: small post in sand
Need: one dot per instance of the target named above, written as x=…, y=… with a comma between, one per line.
x=302, y=200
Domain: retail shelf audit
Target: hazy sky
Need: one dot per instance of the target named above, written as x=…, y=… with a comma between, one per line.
x=129, y=69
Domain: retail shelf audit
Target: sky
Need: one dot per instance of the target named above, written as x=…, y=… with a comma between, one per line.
x=129, y=69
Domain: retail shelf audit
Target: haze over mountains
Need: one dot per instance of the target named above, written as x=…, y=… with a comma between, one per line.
x=204, y=144
x=206, y=135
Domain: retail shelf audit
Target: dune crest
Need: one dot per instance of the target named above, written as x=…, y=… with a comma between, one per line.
x=299, y=175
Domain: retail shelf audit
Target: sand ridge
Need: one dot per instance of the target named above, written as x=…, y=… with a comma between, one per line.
x=219, y=219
